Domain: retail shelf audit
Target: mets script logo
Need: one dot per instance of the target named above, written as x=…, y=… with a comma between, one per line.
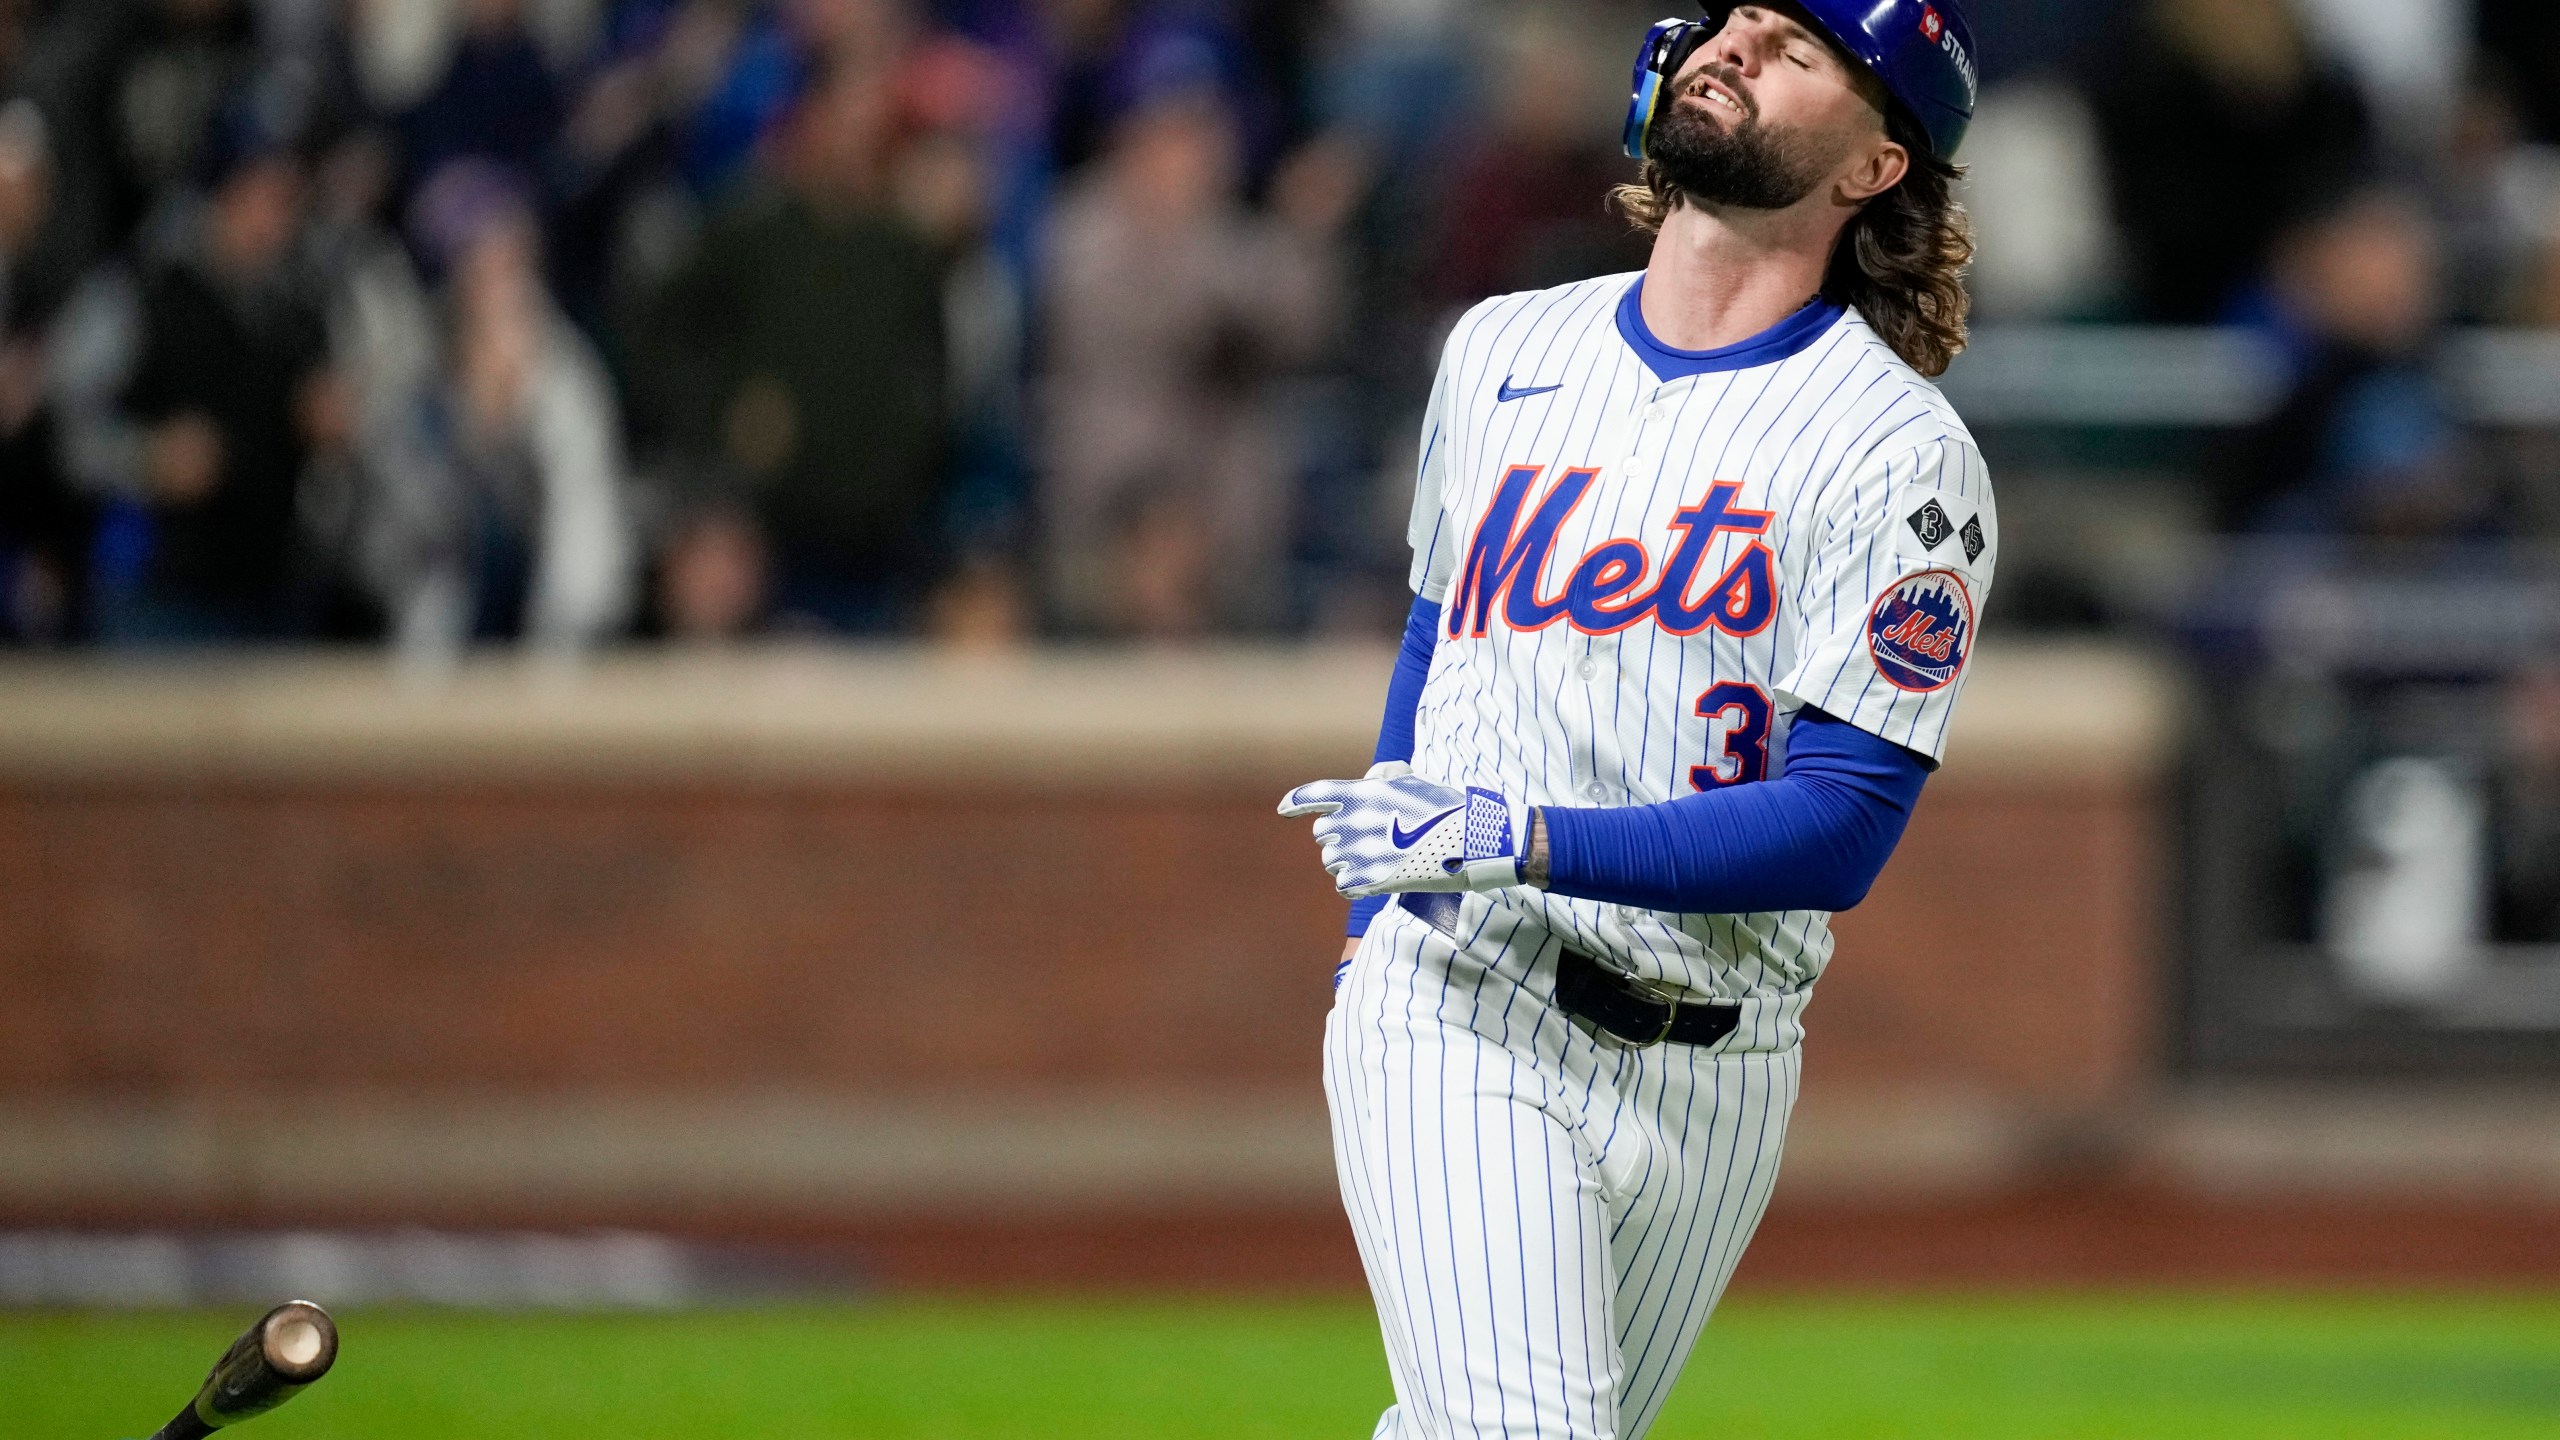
x=1920, y=630
x=1506, y=564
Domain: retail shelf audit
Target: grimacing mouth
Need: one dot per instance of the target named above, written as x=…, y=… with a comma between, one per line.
x=1716, y=89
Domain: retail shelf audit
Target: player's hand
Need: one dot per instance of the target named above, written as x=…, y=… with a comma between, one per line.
x=1395, y=832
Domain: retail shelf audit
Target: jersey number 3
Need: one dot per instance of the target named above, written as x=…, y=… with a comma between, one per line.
x=1737, y=717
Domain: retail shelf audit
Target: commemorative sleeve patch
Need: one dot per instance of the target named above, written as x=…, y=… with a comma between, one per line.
x=1938, y=527
x=1921, y=631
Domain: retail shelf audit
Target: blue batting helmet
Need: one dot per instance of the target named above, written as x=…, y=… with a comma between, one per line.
x=1921, y=49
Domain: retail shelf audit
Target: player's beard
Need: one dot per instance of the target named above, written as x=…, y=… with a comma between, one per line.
x=1742, y=164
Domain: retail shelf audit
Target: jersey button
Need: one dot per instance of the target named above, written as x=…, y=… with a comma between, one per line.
x=1590, y=669
x=1596, y=790
x=1657, y=411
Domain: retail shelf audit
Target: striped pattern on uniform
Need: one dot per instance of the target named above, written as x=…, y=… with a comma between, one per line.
x=1547, y=1218
x=1838, y=443
x=1546, y=1214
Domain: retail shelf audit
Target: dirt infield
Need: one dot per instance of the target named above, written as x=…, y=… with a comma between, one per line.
x=2096, y=1234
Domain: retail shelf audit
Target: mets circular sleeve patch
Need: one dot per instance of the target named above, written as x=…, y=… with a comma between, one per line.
x=1921, y=630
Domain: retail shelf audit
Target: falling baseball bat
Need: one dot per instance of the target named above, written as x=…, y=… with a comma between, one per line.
x=291, y=1346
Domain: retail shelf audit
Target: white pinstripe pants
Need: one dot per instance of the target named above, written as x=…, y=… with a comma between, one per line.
x=1546, y=1217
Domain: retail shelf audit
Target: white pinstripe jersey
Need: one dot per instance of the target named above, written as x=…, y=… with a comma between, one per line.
x=1642, y=579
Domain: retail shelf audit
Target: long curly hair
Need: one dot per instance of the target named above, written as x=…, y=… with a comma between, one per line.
x=1901, y=262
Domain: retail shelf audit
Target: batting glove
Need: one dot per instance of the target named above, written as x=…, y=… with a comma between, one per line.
x=1395, y=832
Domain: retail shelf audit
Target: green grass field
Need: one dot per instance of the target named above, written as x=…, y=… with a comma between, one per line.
x=2142, y=1368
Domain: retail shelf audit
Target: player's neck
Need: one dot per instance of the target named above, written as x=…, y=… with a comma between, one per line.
x=1718, y=278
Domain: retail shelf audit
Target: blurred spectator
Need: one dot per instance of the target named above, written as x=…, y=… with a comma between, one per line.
x=799, y=362
x=622, y=210
x=814, y=240
x=1519, y=212
x=44, y=525
x=541, y=540
x=1167, y=486
x=720, y=74
x=497, y=99
x=727, y=72
x=364, y=506
x=132, y=89
x=852, y=34
x=712, y=582
x=2035, y=185
x=1397, y=74
x=401, y=49
x=683, y=97
x=2407, y=61
x=945, y=188
x=2222, y=125
x=2500, y=200
x=1105, y=52
x=232, y=388
x=2363, y=446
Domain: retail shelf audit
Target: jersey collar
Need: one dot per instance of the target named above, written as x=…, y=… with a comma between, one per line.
x=1788, y=337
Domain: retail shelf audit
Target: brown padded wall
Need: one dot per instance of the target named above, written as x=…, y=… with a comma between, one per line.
x=159, y=938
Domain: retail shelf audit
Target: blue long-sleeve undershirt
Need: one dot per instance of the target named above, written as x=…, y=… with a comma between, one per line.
x=1404, y=688
x=1815, y=838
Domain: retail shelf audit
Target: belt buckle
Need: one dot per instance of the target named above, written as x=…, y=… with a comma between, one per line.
x=1670, y=1001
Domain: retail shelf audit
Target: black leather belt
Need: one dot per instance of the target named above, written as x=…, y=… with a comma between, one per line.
x=1636, y=1012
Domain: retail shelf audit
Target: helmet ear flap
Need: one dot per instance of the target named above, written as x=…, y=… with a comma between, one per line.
x=1667, y=47
x=1697, y=36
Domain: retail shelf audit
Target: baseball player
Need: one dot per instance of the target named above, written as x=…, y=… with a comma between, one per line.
x=1698, y=554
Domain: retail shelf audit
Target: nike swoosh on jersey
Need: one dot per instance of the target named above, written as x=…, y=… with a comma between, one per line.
x=1405, y=838
x=1507, y=394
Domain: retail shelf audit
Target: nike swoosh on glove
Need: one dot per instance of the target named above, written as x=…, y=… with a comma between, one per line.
x=1395, y=832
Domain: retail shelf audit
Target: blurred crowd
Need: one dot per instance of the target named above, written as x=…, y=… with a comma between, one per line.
x=434, y=323
x=2348, y=178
